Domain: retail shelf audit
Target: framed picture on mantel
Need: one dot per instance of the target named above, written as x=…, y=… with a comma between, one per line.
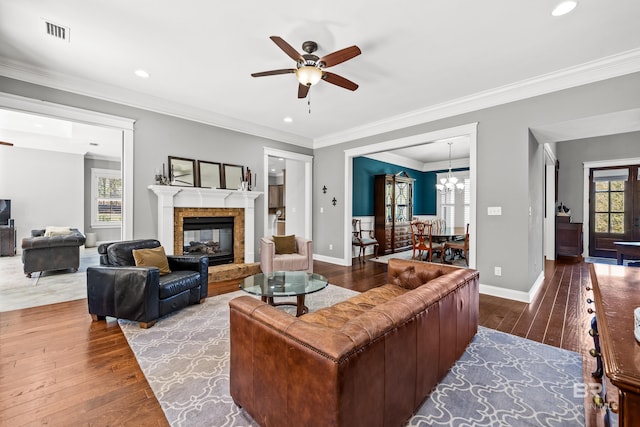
x=209, y=174
x=233, y=176
x=182, y=172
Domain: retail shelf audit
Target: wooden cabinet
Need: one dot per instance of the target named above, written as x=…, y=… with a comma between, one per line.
x=568, y=237
x=7, y=241
x=276, y=196
x=615, y=295
x=393, y=209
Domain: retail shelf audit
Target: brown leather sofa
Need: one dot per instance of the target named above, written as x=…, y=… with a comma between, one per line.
x=368, y=361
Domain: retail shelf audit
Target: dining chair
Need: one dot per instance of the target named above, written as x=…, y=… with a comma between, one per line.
x=457, y=245
x=363, y=241
x=422, y=240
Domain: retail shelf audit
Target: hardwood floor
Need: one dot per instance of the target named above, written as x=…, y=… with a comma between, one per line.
x=57, y=367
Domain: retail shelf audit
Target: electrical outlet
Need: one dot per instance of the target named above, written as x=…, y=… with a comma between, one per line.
x=497, y=271
x=330, y=247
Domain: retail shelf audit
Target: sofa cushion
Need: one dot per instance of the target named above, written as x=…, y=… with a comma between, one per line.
x=178, y=281
x=285, y=244
x=152, y=257
x=336, y=316
x=291, y=262
x=52, y=231
x=120, y=253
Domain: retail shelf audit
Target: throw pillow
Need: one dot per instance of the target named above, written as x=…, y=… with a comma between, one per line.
x=51, y=231
x=285, y=244
x=154, y=257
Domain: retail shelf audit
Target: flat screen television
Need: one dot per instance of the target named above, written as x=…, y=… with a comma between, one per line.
x=5, y=211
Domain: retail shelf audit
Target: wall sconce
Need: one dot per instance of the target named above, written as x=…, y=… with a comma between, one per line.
x=334, y=201
x=324, y=189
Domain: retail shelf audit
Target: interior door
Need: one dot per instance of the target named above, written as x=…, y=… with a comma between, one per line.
x=614, y=208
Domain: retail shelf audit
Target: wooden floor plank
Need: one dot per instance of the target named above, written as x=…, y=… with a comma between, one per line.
x=57, y=367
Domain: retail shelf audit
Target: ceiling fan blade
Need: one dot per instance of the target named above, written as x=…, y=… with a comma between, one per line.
x=340, y=56
x=287, y=48
x=302, y=91
x=339, y=81
x=6, y=143
x=273, y=72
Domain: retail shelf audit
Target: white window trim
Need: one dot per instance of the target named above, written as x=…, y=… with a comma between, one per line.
x=95, y=174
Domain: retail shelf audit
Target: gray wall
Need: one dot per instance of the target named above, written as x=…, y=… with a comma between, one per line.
x=504, y=159
x=506, y=166
x=157, y=136
x=572, y=155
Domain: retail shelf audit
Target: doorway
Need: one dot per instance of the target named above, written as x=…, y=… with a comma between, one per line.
x=123, y=125
x=614, y=208
x=287, y=206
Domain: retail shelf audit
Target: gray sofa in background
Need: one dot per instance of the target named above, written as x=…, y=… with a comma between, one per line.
x=41, y=253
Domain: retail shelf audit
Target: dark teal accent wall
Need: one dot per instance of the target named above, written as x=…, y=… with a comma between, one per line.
x=364, y=171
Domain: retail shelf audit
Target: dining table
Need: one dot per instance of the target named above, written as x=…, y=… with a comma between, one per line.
x=448, y=233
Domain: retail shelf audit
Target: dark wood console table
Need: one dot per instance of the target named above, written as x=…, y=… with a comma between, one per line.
x=7, y=241
x=616, y=292
x=627, y=250
x=568, y=238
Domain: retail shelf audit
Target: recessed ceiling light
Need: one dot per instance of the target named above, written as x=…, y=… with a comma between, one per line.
x=564, y=7
x=141, y=73
x=287, y=119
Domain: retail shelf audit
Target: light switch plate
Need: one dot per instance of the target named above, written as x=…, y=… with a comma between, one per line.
x=494, y=210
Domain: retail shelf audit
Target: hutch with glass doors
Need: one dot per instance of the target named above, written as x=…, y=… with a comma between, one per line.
x=393, y=209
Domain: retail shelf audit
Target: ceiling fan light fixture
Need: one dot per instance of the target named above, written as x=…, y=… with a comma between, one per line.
x=308, y=75
x=564, y=7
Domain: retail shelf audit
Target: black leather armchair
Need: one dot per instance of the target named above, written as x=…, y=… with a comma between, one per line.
x=117, y=288
x=41, y=253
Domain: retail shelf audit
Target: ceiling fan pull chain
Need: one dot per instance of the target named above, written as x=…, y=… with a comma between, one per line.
x=309, y=101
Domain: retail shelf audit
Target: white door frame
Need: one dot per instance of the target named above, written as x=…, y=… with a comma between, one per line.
x=470, y=130
x=64, y=112
x=308, y=175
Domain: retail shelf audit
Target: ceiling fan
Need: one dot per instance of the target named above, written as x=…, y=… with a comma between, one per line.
x=310, y=68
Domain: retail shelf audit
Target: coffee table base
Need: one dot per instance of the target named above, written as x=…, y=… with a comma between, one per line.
x=299, y=304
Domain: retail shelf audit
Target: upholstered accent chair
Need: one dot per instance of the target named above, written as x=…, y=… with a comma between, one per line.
x=125, y=287
x=58, y=251
x=273, y=258
x=363, y=238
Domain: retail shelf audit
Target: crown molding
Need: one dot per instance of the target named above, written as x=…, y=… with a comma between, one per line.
x=118, y=95
x=604, y=68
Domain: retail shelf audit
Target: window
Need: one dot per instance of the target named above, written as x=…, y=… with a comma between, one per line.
x=609, y=200
x=106, y=196
x=454, y=207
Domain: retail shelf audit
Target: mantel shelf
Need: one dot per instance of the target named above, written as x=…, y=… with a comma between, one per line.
x=215, y=192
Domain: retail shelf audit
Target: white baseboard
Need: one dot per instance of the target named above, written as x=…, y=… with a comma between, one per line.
x=513, y=294
x=331, y=260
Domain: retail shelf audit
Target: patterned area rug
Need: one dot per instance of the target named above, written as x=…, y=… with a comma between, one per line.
x=501, y=380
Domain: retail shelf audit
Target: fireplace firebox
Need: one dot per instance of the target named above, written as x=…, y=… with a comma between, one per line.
x=211, y=236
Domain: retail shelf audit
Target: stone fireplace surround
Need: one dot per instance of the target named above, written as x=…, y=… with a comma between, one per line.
x=174, y=203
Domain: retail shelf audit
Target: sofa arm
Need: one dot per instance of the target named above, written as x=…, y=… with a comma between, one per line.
x=193, y=263
x=130, y=293
x=267, y=252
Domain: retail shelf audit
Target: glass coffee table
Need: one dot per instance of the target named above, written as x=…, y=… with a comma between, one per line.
x=284, y=284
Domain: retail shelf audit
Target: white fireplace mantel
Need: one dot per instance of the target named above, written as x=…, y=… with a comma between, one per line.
x=170, y=197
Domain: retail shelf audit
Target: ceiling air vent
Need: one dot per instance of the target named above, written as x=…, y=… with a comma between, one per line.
x=58, y=31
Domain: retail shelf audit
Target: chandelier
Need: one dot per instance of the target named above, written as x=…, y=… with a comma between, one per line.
x=450, y=182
